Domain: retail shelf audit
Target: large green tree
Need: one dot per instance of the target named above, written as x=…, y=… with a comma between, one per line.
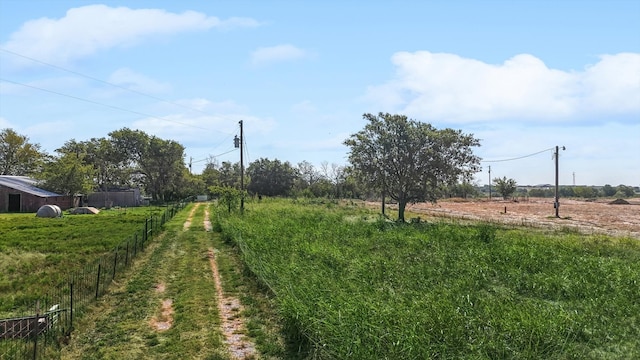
x=271, y=177
x=410, y=160
x=18, y=156
x=157, y=164
x=110, y=166
x=67, y=174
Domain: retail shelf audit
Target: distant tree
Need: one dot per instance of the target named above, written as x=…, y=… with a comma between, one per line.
x=608, y=190
x=462, y=190
x=540, y=193
x=156, y=163
x=409, y=160
x=335, y=174
x=110, y=166
x=211, y=175
x=308, y=173
x=625, y=191
x=230, y=174
x=17, y=155
x=584, y=191
x=351, y=187
x=505, y=187
x=228, y=196
x=67, y=174
x=190, y=185
x=566, y=191
x=271, y=177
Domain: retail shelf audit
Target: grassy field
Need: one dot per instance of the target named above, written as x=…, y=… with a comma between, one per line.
x=120, y=324
x=349, y=285
x=39, y=253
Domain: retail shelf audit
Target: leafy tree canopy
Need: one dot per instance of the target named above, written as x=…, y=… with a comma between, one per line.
x=505, y=187
x=410, y=160
x=17, y=155
x=271, y=177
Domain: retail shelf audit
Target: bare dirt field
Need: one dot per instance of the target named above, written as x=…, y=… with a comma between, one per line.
x=588, y=217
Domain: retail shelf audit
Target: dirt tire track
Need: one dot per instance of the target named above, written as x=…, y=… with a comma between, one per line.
x=230, y=310
x=164, y=321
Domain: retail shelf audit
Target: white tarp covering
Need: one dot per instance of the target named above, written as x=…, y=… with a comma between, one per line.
x=49, y=211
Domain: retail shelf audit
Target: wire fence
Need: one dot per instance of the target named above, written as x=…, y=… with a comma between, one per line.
x=40, y=332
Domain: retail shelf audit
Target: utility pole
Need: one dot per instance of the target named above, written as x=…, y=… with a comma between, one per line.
x=556, y=204
x=489, y=182
x=241, y=170
x=238, y=144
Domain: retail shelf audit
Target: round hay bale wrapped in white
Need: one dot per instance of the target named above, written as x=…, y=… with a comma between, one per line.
x=49, y=211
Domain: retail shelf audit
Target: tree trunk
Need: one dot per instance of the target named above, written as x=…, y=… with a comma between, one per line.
x=383, y=213
x=401, y=206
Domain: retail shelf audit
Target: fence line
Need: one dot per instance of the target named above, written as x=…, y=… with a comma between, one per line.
x=41, y=332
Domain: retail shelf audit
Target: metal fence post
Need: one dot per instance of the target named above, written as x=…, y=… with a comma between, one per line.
x=98, y=279
x=34, y=332
x=71, y=306
x=115, y=262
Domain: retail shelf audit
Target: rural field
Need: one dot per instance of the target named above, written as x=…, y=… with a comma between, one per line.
x=38, y=254
x=322, y=279
x=600, y=217
x=351, y=285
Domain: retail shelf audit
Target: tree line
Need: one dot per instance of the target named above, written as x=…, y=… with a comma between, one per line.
x=392, y=157
x=133, y=159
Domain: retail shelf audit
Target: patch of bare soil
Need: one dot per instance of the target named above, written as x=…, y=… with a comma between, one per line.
x=165, y=320
x=207, y=222
x=232, y=323
x=585, y=216
x=187, y=224
x=230, y=310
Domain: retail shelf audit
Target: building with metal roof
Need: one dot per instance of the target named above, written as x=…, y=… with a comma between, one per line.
x=21, y=194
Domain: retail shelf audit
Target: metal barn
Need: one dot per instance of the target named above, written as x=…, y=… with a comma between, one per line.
x=20, y=194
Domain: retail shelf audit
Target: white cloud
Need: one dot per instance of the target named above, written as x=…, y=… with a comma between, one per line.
x=130, y=79
x=451, y=88
x=613, y=84
x=86, y=30
x=202, y=129
x=278, y=53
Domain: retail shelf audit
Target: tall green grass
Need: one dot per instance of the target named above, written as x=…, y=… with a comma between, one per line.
x=349, y=285
x=37, y=254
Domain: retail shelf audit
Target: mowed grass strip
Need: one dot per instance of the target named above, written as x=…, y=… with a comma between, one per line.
x=38, y=253
x=348, y=287
x=177, y=269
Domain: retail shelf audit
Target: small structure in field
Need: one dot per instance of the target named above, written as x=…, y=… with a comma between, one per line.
x=84, y=210
x=49, y=211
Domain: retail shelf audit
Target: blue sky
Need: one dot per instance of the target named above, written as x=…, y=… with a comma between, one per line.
x=522, y=76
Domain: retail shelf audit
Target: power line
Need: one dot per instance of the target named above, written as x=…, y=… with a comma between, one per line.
x=102, y=81
x=116, y=86
x=99, y=103
x=517, y=158
x=224, y=153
